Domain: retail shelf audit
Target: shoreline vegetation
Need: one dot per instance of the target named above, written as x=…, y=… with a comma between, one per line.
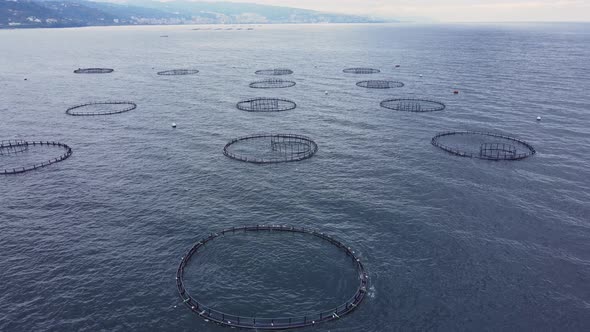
x=27, y=14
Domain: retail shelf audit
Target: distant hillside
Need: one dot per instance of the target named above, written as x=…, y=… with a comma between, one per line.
x=76, y=13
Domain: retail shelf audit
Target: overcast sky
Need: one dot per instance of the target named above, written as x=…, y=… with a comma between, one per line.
x=450, y=10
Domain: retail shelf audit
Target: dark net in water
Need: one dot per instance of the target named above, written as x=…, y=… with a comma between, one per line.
x=361, y=71
x=272, y=84
x=23, y=156
x=93, y=71
x=274, y=72
x=178, y=72
x=271, y=148
x=483, y=145
x=101, y=108
x=281, y=322
x=379, y=84
x=266, y=105
x=413, y=105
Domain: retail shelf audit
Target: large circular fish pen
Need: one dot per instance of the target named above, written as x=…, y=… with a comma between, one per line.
x=272, y=84
x=361, y=71
x=35, y=155
x=101, y=108
x=413, y=105
x=266, y=105
x=178, y=72
x=483, y=145
x=281, y=322
x=93, y=71
x=274, y=72
x=380, y=84
x=270, y=148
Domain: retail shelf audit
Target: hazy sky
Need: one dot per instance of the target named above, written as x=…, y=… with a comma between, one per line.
x=451, y=10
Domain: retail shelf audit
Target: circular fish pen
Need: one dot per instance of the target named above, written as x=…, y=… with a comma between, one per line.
x=274, y=72
x=272, y=84
x=101, y=108
x=178, y=72
x=9, y=147
x=361, y=71
x=25, y=150
x=413, y=105
x=379, y=84
x=281, y=322
x=266, y=105
x=93, y=71
x=270, y=148
x=483, y=145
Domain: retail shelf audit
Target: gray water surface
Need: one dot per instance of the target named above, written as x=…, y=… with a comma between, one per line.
x=450, y=243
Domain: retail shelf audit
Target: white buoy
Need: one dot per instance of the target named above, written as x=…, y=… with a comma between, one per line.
x=538, y=118
x=173, y=125
x=420, y=75
x=326, y=93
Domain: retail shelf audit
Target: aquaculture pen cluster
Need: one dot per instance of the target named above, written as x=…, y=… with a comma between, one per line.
x=278, y=323
x=279, y=148
x=80, y=110
x=282, y=148
x=25, y=145
x=487, y=150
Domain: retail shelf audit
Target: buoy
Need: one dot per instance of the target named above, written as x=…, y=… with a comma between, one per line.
x=420, y=75
x=26, y=79
x=173, y=125
x=326, y=93
x=397, y=66
x=538, y=118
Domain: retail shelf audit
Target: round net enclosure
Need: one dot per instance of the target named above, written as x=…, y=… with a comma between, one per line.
x=270, y=148
x=271, y=277
x=272, y=84
x=178, y=72
x=413, y=105
x=361, y=71
x=266, y=105
x=93, y=71
x=274, y=72
x=101, y=108
x=483, y=145
x=379, y=84
x=18, y=156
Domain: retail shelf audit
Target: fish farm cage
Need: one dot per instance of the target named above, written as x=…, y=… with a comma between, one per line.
x=270, y=148
x=101, y=108
x=266, y=105
x=379, y=84
x=274, y=72
x=413, y=105
x=272, y=84
x=257, y=323
x=361, y=71
x=9, y=147
x=22, y=146
x=175, y=72
x=93, y=71
x=483, y=145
